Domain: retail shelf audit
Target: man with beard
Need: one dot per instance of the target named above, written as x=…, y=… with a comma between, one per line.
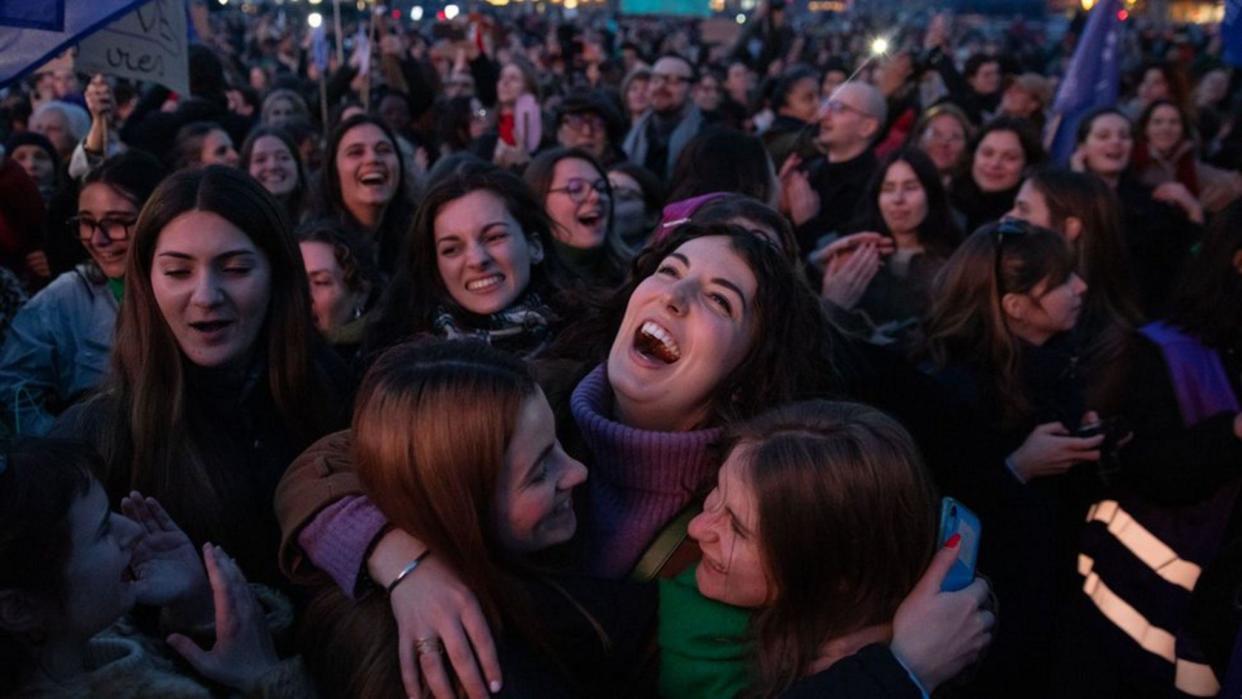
x=658, y=136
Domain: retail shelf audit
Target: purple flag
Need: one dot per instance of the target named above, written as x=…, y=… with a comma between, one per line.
x=1092, y=79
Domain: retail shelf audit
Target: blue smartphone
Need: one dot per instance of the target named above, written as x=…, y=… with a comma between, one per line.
x=956, y=518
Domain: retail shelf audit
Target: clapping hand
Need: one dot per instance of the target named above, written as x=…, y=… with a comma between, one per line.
x=243, y=652
x=167, y=570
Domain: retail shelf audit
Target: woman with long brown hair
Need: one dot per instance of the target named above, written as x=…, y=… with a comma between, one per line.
x=218, y=379
x=456, y=444
x=794, y=560
x=1000, y=337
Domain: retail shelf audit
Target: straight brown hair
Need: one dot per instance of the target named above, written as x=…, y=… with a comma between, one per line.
x=846, y=526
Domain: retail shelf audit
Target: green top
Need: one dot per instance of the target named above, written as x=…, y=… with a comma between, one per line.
x=704, y=644
x=117, y=287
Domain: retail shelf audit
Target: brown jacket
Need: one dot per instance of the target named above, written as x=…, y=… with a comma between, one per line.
x=320, y=476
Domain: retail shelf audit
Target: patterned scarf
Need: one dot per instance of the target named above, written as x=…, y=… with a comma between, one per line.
x=523, y=328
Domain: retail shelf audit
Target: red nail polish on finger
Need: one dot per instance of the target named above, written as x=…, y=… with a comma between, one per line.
x=953, y=541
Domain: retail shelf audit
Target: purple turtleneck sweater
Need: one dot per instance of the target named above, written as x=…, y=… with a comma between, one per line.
x=639, y=481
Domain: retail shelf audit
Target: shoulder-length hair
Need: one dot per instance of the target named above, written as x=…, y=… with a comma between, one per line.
x=152, y=443
x=417, y=292
x=293, y=203
x=392, y=227
x=935, y=112
x=789, y=316
x=539, y=175
x=823, y=474
x=937, y=233
x=1207, y=299
x=966, y=323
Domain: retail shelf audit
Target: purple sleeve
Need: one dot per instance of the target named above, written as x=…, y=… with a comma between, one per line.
x=338, y=538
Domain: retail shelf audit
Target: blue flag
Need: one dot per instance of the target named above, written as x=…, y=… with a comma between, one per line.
x=1231, y=33
x=1092, y=79
x=34, y=32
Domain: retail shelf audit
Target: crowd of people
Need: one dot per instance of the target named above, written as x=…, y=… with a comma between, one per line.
x=574, y=354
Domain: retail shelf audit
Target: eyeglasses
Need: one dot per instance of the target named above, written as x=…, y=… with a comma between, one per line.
x=580, y=122
x=934, y=136
x=578, y=188
x=112, y=228
x=836, y=106
x=674, y=80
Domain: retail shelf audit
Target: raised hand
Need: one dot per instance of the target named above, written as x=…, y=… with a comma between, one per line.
x=167, y=569
x=936, y=634
x=243, y=652
x=799, y=200
x=848, y=275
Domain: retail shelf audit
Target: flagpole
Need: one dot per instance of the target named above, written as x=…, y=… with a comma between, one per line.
x=340, y=37
x=366, y=94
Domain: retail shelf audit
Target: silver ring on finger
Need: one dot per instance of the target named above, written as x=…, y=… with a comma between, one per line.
x=430, y=645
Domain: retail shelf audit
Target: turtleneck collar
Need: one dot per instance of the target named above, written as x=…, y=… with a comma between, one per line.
x=640, y=479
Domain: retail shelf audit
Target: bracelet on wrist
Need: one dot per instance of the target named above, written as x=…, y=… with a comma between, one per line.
x=405, y=572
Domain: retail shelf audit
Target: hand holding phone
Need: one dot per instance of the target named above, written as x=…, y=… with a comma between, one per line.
x=957, y=520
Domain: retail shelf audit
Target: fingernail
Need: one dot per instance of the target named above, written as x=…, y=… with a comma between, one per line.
x=494, y=686
x=953, y=541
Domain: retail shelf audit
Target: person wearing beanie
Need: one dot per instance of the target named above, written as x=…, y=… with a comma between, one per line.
x=586, y=120
x=39, y=158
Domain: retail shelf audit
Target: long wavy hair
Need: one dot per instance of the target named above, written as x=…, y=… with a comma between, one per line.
x=823, y=474
x=793, y=356
x=156, y=440
x=966, y=324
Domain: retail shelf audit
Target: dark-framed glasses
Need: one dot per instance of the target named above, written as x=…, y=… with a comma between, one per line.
x=113, y=227
x=578, y=188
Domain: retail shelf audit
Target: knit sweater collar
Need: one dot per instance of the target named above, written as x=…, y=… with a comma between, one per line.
x=665, y=462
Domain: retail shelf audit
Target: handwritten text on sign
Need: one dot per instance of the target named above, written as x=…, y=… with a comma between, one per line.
x=146, y=44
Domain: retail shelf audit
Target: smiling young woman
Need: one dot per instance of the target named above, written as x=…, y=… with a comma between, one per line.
x=219, y=378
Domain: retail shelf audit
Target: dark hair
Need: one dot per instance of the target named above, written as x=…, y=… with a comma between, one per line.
x=977, y=61
x=40, y=479
x=1101, y=255
x=188, y=145
x=388, y=237
x=156, y=438
x=823, y=474
x=1206, y=301
x=785, y=84
x=966, y=323
x=539, y=176
x=733, y=206
x=1186, y=169
x=293, y=202
x=134, y=174
x=351, y=252
x=1174, y=77
x=653, y=189
x=789, y=315
x=937, y=233
x=417, y=293
x=723, y=160
x=1084, y=125
x=1032, y=149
